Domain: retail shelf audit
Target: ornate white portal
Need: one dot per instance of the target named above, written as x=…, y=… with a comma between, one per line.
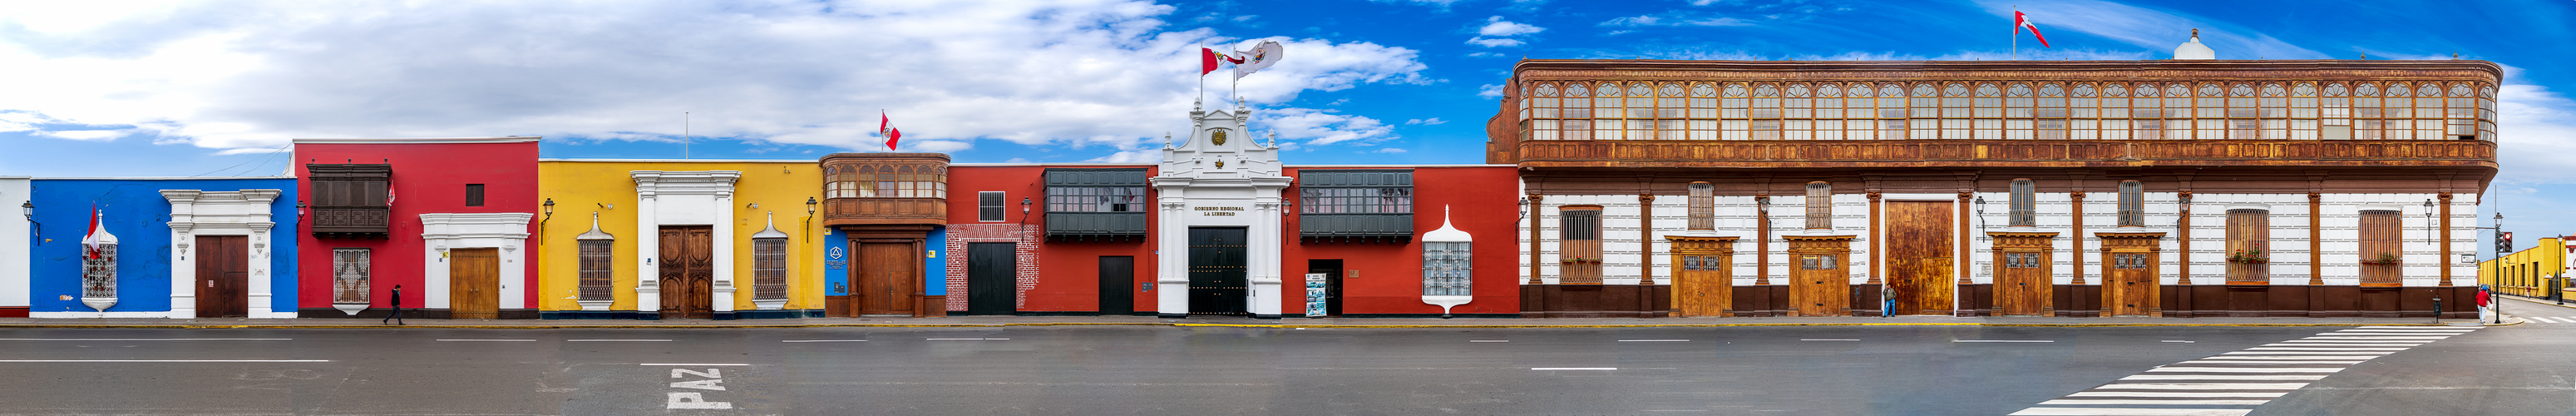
x=198, y=213
x=698, y=197
x=1220, y=178
x=503, y=230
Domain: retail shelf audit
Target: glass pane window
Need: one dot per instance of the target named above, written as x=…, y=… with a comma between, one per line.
x=1445, y=269
x=2024, y=207
x=1095, y=199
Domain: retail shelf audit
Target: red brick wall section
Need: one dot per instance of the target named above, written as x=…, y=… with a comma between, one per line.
x=1028, y=237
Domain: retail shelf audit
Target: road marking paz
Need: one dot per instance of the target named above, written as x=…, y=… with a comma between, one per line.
x=712, y=381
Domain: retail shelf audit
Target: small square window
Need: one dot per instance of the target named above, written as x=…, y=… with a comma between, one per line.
x=989, y=206
x=473, y=194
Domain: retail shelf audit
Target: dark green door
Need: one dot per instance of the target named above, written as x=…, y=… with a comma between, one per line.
x=1117, y=285
x=1217, y=284
x=992, y=278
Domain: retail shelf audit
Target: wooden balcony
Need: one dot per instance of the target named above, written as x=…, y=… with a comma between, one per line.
x=884, y=211
x=1760, y=154
x=351, y=221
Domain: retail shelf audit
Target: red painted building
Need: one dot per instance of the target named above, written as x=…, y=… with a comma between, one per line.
x=447, y=219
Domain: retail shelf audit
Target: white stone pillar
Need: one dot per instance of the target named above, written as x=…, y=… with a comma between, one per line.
x=648, y=248
x=1172, y=258
x=1264, y=259
x=183, y=271
x=724, y=244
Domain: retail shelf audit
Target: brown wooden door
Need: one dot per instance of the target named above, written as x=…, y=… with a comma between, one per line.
x=887, y=276
x=223, y=276
x=688, y=272
x=1820, y=284
x=2132, y=283
x=2021, y=283
x=474, y=283
x=1919, y=256
x=1702, y=285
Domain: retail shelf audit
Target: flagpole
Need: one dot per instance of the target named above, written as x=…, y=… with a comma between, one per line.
x=2016, y=34
x=1202, y=98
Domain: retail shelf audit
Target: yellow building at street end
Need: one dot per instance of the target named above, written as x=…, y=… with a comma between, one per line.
x=2529, y=272
x=673, y=239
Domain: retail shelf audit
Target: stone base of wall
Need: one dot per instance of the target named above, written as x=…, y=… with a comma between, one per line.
x=1596, y=301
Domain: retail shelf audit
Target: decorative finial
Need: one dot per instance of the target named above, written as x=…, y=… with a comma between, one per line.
x=1167, y=139
x=2195, y=33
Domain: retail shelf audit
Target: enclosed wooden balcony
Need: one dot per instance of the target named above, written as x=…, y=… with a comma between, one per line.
x=2003, y=153
x=864, y=189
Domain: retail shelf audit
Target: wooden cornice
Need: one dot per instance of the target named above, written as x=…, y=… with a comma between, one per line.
x=1843, y=154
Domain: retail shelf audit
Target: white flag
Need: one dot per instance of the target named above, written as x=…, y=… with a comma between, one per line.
x=1261, y=56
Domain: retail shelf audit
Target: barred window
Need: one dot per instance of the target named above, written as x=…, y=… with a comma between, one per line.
x=1818, y=262
x=989, y=206
x=2128, y=261
x=2021, y=260
x=598, y=262
x=1579, y=244
x=769, y=268
x=2133, y=204
x=1703, y=206
x=2025, y=210
x=98, y=272
x=1445, y=269
x=1820, y=205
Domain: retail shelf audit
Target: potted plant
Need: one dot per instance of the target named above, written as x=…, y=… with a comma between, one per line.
x=2251, y=256
x=2384, y=259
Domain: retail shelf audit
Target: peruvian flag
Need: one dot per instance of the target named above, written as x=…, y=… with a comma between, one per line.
x=2021, y=21
x=1209, y=58
x=90, y=242
x=885, y=127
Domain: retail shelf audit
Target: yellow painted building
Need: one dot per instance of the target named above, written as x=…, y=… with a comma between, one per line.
x=680, y=239
x=2527, y=272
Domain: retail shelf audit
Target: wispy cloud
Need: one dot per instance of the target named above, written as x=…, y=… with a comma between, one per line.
x=1496, y=26
x=2149, y=28
x=1490, y=91
x=1493, y=42
x=1324, y=127
x=1426, y=121
x=1675, y=18
x=1389, y=150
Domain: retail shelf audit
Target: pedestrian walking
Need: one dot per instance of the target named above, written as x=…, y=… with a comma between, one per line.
x=1887, y=300
x=395, y=317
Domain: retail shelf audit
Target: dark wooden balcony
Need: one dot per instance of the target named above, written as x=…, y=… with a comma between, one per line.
x=1758, y=154
x=884, y=211
x=351, y=221
x=1091, y=226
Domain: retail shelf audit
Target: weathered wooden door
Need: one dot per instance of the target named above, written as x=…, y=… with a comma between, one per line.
x=688, y=272
x=2132, y=281
x=1819, y=285
x=1919, y=259
x=992, y=278
x=2021, y=283
x=473, y=283
x=1117, y=285
x=223, y=276
x=1702, y=285
x=1217, y=284
x=887, y=275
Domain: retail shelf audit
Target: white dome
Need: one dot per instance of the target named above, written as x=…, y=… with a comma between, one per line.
x=2193, y=49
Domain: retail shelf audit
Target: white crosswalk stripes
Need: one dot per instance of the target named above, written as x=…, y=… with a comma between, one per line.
x=2550, y=319
x=2235, y=382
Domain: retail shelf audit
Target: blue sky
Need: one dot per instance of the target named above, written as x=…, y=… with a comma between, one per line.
x=160, y=88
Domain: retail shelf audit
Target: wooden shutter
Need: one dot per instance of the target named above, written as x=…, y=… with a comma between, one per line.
x=2380, y=234
x=2249, y=247
x=1579, y=245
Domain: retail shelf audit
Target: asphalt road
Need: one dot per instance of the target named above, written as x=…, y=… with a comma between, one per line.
x=1210, y=370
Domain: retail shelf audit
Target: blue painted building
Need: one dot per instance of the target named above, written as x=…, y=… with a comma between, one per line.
x=182, y=248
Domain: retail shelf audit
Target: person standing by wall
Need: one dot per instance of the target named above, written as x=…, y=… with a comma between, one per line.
x=1887, y=300
x=395, y=317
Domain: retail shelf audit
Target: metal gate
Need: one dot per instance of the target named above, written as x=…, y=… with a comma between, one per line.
x=1217, y=284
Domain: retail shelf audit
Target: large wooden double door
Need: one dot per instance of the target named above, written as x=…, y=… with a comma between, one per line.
x=473, y=283
x=223, y=276
x=1919, y=256
x=688, y=272
x=888, y=272
x=1217, y=282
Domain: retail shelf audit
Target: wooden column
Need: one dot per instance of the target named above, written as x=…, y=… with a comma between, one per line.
x=2445, y=241
x=1646, y=239
x=2076, y=254
x=2182, y=253
x=1964, y=237
x=2316, y=241
x=1536, y=239
x=1874, y=241
x=1762, y=243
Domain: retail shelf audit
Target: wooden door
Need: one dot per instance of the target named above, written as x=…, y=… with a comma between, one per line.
x=887, y=276
x=1820, y=285
x=1217, y=284
x=1919, y=256
x=688, y=272
x=1701, y=285
x=2132, y=283
x=473, y=283
x=223, y=276
x=992, y=278
x=1117, y=285
x=2021, y=283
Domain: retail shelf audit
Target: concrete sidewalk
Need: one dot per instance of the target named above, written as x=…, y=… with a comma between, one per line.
x=1011, y=321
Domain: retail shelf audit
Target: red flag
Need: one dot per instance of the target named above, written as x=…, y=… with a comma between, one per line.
x=891, y=136
x=2020, y=22
x=1208, y=59
x=89, y=242
x=882, y=122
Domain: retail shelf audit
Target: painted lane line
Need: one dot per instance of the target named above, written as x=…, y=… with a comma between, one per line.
x=1574, y=368
x=1829, y=340
x=966, y=339
x=1489, y=340
x=2069, y=411
x=2177, y=340
x=2194, y=394
x=1654, y=340
x=2323, y=348
x=2000, y=340
x=2539, y=319
x=2205, y=386
x=489, y=340
x=2385, y=332
x=692, y=364
x=2239, y=377
x=2244, y=370
x=2392, y=338
x=164, y=361
x=617, y=340
x=2290, y=357
x=2223, y=362
x=2420, y=327
x=2084, y=402
x=2409, y=343
x=146, y=339
x=822, y=340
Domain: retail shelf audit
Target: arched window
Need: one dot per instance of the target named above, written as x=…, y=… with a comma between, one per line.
x=1703, y=206
x=1820, y=205
x=2133, y=204
x=2025, y=210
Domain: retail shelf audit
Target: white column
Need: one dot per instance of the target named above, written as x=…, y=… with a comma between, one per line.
x=1265, y=254
x=1172, y=259
x=648, y=248
x=262, y=291
x=183, y=271
x=724, y=230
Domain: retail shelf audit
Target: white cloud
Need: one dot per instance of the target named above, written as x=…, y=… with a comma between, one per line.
x=1490, y=91
x=1323, y=127
x=1493, y=43
x=1246, y=18
x=1496, y=26
x=85, y=134
x=254, y=74
x=1675, y=19
x=1434, y=121
x=2535, y=127
x=2148, y=28
x=1389, y=150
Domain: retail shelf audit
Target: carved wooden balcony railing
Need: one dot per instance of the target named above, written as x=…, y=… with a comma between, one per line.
x=351, y=221
x=885, y=211
x=2004, y=153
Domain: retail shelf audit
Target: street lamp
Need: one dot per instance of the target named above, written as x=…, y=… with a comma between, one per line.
x=809, y=205
x=2429, y=237
x=29, y=209
x=549, y=209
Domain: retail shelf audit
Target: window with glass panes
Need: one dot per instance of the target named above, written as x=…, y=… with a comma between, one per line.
x=876, y=181
x=1445, y=270
x=1993, y=110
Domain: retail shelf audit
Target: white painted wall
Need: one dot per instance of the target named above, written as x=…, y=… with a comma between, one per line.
x=14, y=251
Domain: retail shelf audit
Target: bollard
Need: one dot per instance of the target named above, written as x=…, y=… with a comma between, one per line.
x=2437, y=309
